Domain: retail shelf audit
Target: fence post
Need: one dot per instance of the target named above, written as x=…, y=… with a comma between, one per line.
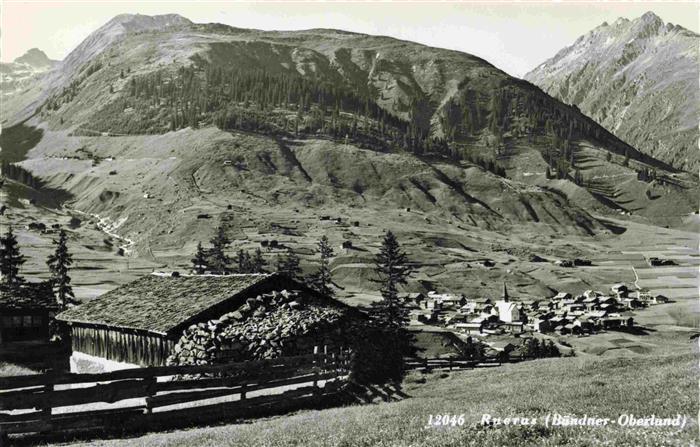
x=316, y=370
x=46, y=404
x=244, y=385
x=325, y=357
x=150, y=393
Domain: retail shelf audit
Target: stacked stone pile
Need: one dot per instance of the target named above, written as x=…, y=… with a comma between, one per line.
x=268, y=326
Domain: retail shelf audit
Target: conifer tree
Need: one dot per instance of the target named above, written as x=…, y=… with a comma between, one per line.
x=218, y=260
x=199, y=262
x=289, y=265
x=258, y=262
x=10, y=259
x=59, y=263
x=322, y=279
x=392, y=270
x=243, y=261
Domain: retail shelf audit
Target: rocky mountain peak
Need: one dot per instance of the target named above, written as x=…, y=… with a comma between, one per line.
x=639, y=79
x=34, y=58
x=648, y=25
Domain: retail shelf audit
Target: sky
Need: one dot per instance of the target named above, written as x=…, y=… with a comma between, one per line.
x=514, y=36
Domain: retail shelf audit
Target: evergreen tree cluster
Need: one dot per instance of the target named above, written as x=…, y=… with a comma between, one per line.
x=59, y=263
x=19, y=174
x=534, y=348
x=216, y=261
x=11, y=261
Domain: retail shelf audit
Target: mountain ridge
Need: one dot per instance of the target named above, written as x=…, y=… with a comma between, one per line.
x=638, y=78
x=471, y=144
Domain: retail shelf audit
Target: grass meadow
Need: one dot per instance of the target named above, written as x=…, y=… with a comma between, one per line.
x=601, y=387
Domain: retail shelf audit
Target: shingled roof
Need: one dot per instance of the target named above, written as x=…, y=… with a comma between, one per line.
x=28, y=296
x=164, y=304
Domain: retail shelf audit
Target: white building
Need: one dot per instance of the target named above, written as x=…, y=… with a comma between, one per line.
x=506, y=310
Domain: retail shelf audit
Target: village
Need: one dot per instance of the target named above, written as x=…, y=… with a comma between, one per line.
x=563, y=314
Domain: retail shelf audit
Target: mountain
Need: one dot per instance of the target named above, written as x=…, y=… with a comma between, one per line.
x=23, y=71
x=162, y=129
x=36, y=59
x=22, y=103
x=639, y=79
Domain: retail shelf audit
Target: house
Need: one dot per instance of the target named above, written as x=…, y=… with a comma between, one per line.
x=562, y=296
x=632, y=303
x=416, y=298
x=483, y=305
x=471, y=327
x=572, y=329
x=586, y=325
x=594, y=315
x=468, y=308
x=432, y=304
x=590, y=303
x=611, y=323
x=575, y=307
x=25, y=312
x=447, y=299
x=138, y=324
x=502, y=346
x=541, y=326
x=620, y=290
x=456, y=318
x=562, y=329
x=514, y=327
x=591, y=293
x=659, y=299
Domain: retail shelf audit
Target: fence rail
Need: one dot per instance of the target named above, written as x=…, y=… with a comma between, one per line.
x=145, y=397
x=452, y=363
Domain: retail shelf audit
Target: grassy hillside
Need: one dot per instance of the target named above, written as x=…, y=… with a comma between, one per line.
x=437, y=108
x=602, y=387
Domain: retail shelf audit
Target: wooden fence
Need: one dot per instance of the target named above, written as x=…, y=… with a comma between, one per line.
x=147, y=398
x=427, y=364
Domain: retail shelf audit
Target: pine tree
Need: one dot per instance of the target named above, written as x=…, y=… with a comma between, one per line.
x=393, y=270
x=243, y=261
x=258, y=263
x=218, y=260
x=322, y=279
x=199, y=262
x=10, y=259
x=59, y=263
x=289, y=265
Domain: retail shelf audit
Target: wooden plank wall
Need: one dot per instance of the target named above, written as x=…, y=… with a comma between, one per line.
x=122, y=345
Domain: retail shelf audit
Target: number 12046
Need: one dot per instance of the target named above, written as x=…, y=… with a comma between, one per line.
x=445, y=420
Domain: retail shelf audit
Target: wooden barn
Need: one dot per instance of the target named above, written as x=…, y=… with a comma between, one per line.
x=140, y=322
x=25, y=313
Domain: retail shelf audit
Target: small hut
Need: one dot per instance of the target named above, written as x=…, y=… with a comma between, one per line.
x=138, y=324
x=25, y=312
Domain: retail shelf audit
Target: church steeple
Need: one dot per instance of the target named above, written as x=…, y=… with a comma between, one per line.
x=505, y=292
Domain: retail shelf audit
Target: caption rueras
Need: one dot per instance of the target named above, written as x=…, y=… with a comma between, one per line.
x=558, y=420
